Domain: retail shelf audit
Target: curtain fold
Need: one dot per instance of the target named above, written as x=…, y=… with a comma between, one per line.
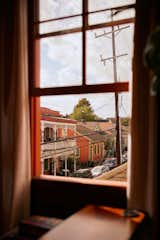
x=15, y=117
x=143, y=174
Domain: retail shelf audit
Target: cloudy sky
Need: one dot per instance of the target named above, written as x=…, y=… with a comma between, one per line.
x=61, y=56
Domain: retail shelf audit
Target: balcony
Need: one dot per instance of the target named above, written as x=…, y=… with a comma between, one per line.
x=59, y=148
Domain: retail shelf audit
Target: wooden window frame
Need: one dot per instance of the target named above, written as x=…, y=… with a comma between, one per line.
x=34, y=71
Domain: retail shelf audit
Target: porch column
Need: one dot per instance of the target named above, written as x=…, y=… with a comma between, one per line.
x=65, y=165
x=55, y=166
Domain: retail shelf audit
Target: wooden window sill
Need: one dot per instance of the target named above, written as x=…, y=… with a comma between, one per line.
x=96, y=222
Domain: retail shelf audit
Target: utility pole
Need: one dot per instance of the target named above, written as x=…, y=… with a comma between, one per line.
x=118, y=132
x=114, y=59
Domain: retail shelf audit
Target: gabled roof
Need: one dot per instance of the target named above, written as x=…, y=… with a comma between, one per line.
x=54, y=116
x=100, y=125
x=50, y=112
x=93, y=136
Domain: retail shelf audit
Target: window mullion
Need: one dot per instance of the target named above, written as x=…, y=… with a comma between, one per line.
x=84, y=26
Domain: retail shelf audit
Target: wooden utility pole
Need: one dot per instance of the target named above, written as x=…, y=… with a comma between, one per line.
x=114, y=59
x=118, y=132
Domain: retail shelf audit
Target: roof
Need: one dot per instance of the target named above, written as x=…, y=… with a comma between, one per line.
x=107, y=127
x=50, y=112
x=100, y=125
x=116, y=174
x=54, y=116
x=88, y=133
x=56, y=119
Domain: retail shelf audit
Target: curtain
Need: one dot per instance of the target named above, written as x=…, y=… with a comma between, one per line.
x=143, y=173
x=14, y=109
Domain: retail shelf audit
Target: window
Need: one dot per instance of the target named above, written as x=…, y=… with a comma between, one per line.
x=82, y=54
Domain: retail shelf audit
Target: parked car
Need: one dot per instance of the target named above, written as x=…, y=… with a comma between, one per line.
x=98, y=170
x=124, y=157
x=83, y=173
x=110, y=162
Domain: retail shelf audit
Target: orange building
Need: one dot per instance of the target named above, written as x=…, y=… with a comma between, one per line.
x=90, y=144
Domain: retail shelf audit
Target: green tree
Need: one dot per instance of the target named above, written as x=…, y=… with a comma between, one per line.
x=83, y=111
x=125, y=121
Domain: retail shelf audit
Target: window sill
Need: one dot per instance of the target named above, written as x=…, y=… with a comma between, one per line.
x=97, y=182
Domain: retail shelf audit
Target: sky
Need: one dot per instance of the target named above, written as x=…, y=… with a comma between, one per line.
x=61, y=56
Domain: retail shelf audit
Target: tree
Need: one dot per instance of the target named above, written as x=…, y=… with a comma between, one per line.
x=83, y=111
x=125, y=121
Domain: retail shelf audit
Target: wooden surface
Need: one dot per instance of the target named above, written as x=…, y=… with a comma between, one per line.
x=95, y=223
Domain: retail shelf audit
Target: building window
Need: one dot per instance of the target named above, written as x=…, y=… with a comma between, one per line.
x=48, y=134
x=46, y=164
x=95, y=149
x=82, y=55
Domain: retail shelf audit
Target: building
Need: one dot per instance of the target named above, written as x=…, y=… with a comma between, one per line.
x=108, y=129
x=90, y=144
x=58, y=141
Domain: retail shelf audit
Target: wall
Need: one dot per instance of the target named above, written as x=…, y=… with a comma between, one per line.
x=60, y=196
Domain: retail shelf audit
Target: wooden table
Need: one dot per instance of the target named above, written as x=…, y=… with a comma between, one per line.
x=95, y=223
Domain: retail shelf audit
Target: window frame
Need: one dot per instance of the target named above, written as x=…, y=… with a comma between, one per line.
x=34, y=72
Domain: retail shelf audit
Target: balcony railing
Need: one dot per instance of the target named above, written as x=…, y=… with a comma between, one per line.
x=56, y=149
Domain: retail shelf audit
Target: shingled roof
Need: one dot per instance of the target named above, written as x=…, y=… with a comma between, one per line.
x=93, y=136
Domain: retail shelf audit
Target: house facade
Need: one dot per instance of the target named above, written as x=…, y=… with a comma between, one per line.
x=58, y=141
x=90, y=145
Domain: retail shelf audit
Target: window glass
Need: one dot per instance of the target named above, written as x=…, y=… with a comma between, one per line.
x=105, y=64
x=84, y=135
x=59, y=25
x=95, y=5
x=89, y=121
x=61, y=61
x=98, y=48
x=50, y=9
x=108, y=16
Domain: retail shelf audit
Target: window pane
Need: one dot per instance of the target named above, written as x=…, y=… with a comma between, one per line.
x=61, y=60
x=102, y=4
x=60, y=25
x=50, y=9
x=98, y=48
x=124, y=45
x=106, y=63
x=78, y=134
x=101, y=17
x=106, y=16
x=130, y=13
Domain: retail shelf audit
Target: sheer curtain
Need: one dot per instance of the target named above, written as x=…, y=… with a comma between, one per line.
x=143, y=175
x=14, y=109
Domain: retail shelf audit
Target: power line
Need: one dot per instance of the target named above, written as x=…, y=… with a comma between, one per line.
x=81, y=135
x=67, y=149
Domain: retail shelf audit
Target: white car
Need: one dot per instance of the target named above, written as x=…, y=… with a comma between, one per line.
x=98, y=170
x=110, y=162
